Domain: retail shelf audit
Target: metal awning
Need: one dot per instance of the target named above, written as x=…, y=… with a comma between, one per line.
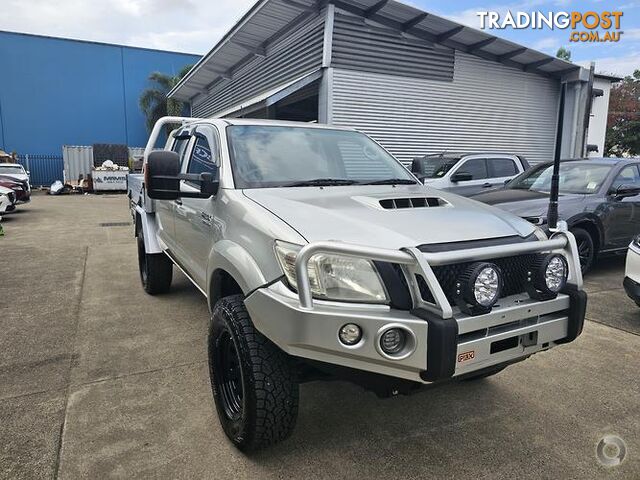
x=269, y=20
x=273, y=95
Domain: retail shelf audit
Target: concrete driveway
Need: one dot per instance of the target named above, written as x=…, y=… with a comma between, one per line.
x=98, y=380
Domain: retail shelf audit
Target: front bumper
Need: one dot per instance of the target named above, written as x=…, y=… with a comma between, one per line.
x=632, y=288
x=518, y=327
x=444, y=341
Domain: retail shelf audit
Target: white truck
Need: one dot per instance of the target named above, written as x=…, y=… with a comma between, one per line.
x=321, y=255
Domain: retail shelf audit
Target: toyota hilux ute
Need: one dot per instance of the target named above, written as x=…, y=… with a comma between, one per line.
x=322, y=256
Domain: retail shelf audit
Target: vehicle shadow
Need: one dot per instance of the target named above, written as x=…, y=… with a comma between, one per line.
x=450, y=431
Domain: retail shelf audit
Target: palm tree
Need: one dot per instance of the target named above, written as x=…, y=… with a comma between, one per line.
x=153, y=100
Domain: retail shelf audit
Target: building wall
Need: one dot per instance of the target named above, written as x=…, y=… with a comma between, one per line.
x=487, y=107
x=56, y=92
x=598, y=120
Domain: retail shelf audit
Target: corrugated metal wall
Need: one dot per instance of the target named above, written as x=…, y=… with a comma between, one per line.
x=296, y=54
x=488, y=106
x=365, y=47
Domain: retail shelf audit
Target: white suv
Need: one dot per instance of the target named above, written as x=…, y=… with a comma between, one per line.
x=467, y=174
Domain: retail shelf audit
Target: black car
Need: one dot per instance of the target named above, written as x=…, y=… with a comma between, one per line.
x=599, y=200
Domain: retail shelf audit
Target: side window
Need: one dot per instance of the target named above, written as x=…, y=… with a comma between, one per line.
x=501, y=167
x=179, y=146
x=202, y=159
x=627, y=176
x=477, y=167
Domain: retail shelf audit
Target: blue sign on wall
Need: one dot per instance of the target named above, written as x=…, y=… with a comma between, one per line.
x=56, y=92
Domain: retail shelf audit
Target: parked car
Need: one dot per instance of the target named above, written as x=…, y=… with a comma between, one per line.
x=7, y=200
x=20, y=188
x=314, y=268
x=16, y=172
x=599, y=199
x=467, y=174
x=632, y=271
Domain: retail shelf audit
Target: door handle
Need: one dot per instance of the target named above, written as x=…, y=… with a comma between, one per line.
x=486, y=185
x=177, y=201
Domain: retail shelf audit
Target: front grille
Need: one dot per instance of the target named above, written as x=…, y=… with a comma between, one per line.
x=514, y=274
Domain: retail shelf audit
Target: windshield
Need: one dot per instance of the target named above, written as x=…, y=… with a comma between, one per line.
x=11, y=169
x=274, y=156
x=574, y=178
x=436, y=167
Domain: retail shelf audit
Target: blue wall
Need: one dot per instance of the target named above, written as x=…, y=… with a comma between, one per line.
x=56, y=92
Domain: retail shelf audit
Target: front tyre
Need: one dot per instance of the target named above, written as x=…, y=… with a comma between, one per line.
x=156, y=270
x=253, y=382
x=586, y=248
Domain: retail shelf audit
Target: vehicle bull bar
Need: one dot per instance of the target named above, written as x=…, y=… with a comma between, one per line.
x=415, y=262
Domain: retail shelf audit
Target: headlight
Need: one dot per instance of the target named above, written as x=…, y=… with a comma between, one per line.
x=479, y=286
x=551, y=273
x=335, y=277
x=636, y=242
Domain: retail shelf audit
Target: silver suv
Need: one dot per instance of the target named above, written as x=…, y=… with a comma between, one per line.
x=321, y=256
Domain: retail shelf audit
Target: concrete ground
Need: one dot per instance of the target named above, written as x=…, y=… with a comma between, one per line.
x=98, y=379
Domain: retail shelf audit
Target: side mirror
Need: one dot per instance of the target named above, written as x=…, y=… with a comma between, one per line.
x=461, y=177
x=624, y=191
x=162, y=178
x=416, y=166
x=208, y=185
x=161, y=175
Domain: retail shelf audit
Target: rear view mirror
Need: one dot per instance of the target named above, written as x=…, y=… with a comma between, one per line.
x=624, y=191
x=162, y=178
x=461, y=177
x=161, y=175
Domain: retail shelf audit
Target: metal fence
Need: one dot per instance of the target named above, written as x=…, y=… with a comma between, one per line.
x=43, y=169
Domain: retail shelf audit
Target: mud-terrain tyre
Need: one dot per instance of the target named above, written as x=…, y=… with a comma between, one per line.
x=253, y=382
x=156, y=270
x=484, y=374
x=586, y=248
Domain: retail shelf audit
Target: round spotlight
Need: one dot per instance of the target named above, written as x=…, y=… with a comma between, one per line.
x=393, y=341
x=350, y=334
x=481, y=284
x=551, y=273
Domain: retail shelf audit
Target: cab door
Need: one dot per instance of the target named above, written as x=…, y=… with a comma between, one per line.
x=196, y=226
x=501, y=169
x=622, y=220
x=477, y=168
x=165, y=209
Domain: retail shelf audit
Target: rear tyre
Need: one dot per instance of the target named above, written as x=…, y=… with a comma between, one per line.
x=586, y=248
x=156, y=270
x=252, y=380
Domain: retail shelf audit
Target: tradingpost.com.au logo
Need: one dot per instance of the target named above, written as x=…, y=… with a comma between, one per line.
x=584, y=26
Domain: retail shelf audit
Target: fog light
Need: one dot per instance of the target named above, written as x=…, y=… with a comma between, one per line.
x=393, y=341
x=479, y=287
x=551, y=273
x=350, y=334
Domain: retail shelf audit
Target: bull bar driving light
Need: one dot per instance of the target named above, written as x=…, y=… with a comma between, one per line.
x=478, y=288
x=547, y=276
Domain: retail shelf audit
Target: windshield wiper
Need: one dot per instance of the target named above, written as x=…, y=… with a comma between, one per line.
x=390, y=181
x=319, y=182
